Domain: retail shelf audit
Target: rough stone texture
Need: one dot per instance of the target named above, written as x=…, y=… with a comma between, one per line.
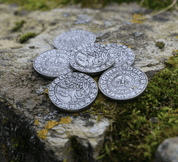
x=22, y=90
x=167, y=151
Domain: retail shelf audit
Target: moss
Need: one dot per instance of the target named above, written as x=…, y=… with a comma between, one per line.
x=32, y=5
x=157, y=4
x=5, y=120
x=18, y=25
x=138, y=137
x=5, y=151
x=26, y=37
x=160, y=45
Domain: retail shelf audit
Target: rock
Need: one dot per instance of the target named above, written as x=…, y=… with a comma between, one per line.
x=23, y=97
x=82, y=19
x=167, y=151
x=154, y=120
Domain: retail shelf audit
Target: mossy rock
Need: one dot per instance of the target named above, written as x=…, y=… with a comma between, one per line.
x=138, y=136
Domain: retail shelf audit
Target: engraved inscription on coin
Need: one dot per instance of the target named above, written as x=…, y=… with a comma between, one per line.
x=122, y=83
x=52, y=63
x=73, y=92
x=73, y=39
x=124, y=56
x=92, y=59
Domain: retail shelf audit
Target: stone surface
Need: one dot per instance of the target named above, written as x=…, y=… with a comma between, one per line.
x=22, y=90
x=167, y=151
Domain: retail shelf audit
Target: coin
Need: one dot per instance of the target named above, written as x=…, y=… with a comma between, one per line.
x=73, y=91
x=92, y=59
x=52, y=63
x=124, y=56
x=122, y=83
x=74, y=38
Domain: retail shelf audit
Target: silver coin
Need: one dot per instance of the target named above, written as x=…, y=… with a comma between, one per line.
x=124, y=56
x=92, y=59
x=52, y=63
x=72, y=39
x=73, y=92
x=123, y=83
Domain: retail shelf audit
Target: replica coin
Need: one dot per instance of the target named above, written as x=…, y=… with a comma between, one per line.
x=124, y=56
x=122, y=83
x=52, y=63
x=72, y=39
x=73, y=91
x=92, y=59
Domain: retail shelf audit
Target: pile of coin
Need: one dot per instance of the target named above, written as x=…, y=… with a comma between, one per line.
x=76, y=59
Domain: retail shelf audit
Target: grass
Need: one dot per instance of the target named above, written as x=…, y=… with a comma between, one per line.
x=26, y=37
x=138, y=136
x=18, y=25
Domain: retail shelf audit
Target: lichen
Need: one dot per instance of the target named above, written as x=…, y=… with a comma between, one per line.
x=46, y=90
x=42, y=134
x=51, y=124
x=136, y=17
x=36, y=122
x=66, y=120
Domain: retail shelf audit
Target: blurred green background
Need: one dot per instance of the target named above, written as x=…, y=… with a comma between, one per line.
x=32, y=5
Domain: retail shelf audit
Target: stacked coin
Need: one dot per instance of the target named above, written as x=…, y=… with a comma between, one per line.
x=76, y=51
x=92, y=59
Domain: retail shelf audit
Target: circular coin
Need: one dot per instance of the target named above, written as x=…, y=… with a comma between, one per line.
x=72, y=39
x=73, y=92
x=123, y=83
x=124, y=56
x=92, y=59
x=52, y=63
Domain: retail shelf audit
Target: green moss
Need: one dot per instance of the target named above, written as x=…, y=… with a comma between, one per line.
x=160, y=45
x=32, y=5
x=138, y=137
x=26, y=37
x=157, y=4
x=18, y=25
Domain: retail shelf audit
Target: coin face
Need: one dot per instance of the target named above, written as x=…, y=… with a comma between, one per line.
x=52, y=63
x=122, y=83
x=124, y=56
x=72, y=39
x=92, y=59
x=73, y=91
